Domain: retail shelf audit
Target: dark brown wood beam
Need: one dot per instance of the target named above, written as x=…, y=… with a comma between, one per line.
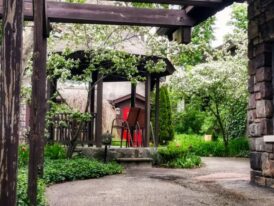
x=200, y=3
x=99, y=113
x=62, y=12
x=147, y=111
x=38, y=101
x=10, y=83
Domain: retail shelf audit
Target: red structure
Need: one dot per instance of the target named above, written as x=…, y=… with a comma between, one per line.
x=123, y=105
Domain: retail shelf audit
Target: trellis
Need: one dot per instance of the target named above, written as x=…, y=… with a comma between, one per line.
x=42, y=12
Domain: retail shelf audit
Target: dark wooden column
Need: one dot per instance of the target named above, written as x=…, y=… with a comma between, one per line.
x=99, y=113
x=38, y=101
x=132, y=104
x=157, y=106
x=147, y=111
x=10, y=84
x=51, y=90
x=91, y=109
x=133, y=95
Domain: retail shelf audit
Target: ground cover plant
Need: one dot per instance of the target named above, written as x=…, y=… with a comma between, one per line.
x=59, y=169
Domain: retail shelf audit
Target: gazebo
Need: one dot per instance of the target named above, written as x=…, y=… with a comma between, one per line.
x=152, y=80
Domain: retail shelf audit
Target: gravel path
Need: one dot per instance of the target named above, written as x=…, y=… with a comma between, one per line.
x=221, y=181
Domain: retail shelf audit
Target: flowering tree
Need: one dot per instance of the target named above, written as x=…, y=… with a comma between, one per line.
x=219, y=85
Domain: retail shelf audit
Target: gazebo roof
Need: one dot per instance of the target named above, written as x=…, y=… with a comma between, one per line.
x=126, y=98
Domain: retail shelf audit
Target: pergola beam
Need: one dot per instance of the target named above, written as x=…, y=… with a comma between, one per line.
x=62, y=12
x=200, y=3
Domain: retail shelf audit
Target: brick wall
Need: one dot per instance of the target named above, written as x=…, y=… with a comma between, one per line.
x=260, y=86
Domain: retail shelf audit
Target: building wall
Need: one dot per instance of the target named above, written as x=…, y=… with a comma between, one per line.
x=260, y=86
x=24, y=122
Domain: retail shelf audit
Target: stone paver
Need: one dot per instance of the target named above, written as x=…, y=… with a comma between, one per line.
x=221, y=181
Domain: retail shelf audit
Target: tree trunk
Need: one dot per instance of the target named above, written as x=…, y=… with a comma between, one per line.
x=38, y=102
x=10, y=83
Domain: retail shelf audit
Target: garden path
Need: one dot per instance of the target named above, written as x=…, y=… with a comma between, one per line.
x=221, y=181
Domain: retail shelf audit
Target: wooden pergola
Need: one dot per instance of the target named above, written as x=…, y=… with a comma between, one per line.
x=42, y=12
x=152, y=81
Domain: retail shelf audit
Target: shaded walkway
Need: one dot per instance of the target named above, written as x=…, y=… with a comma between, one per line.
x=221, y=181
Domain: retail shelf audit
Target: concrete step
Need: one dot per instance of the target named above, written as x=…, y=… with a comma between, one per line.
x=135, y=162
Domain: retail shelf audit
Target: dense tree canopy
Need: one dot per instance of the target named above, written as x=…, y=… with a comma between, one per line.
x=215, y=89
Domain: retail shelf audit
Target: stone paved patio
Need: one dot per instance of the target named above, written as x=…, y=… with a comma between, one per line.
x=221, y=181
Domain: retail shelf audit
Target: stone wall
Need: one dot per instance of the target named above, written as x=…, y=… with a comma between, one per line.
x=260, y=86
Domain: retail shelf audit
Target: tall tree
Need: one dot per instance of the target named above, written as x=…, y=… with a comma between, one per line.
x=10, y=83
x=166, y=132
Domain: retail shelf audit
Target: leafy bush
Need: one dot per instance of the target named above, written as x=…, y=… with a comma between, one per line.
x=190, y=120
x=58, y=169
x=238, y=147
x=55, y=151
x=22, y=185
x=77, y=169
x=187, y=161
x=177, y=157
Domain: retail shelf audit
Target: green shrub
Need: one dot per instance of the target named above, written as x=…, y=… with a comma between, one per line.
x=166, y=132
x=77, y=169
x=23, y=155
x=190, y=120
x=177, y=157
x=22, y=185
x=189, y=160
x=238, y=147
x=58, y=169
x=55, y=151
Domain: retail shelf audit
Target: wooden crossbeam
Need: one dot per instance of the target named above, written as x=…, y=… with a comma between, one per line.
x=100, y=14
x=199, y=3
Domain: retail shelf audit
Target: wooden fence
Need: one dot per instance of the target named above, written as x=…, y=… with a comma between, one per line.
x=64, y=129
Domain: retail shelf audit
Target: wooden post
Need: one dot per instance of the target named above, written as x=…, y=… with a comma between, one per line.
x=10, y=84
x=91, y=110
x=147, y=111
x=99, y=114
x=52, y=88
x=132, y=104
x=133, y=95
x=38, y=101
x=157, y=106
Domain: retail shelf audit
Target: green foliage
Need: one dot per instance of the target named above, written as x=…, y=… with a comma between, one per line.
x=218, y=87
x=166, y=132
x=60, y=67
x=22, y=186
x=190, y=120
x=23, y=155
x=177, y=157
x=236, y=119
x=55, y=151
x=239, y=17
x=25, y=94
x=238, y=147
x=58, y=169
x=77, y=169
x=196, y=52
x=73, y=114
